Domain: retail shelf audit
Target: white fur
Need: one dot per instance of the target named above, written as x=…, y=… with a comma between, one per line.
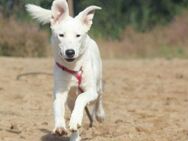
x=86, y=56
x=38, y=13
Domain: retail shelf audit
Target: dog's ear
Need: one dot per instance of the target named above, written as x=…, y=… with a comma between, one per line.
x=40, y=14
x=86, y=16
x=59, y=11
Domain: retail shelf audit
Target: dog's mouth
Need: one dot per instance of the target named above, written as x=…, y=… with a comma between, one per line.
x=69, y=60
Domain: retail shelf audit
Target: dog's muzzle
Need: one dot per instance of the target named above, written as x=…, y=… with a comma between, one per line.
x=70, y=53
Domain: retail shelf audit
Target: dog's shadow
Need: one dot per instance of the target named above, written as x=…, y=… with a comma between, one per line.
x=50, y=137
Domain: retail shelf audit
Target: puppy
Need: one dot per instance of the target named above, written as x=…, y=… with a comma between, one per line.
x=77, y=67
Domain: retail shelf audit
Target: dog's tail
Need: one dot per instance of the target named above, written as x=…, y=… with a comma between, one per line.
x=40, y=14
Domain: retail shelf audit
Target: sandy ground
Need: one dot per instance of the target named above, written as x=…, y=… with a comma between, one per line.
x=144, y=101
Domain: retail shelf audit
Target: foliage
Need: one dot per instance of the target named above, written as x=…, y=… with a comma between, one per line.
x=19, y=39
x=143, y=15
x=163, y=41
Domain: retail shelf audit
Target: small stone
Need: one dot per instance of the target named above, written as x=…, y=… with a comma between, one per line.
x=45, y=123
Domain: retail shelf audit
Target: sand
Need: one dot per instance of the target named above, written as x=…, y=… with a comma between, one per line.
x=145, y=100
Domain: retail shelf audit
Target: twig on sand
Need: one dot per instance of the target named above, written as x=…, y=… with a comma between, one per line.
x=32, y=73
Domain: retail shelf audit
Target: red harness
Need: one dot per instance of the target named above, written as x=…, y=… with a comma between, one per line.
x=77, y=74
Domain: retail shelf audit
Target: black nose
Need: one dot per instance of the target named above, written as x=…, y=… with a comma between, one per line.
x=70, y=53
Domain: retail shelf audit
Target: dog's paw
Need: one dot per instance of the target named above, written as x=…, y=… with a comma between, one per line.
x=60, y=131
x=75, y=123
x=100, y=116
x=75, y=137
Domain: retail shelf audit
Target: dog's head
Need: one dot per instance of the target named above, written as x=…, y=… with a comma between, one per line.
x=69, y=32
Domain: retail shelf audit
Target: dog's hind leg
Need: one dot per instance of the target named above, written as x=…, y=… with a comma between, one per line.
x=90, y=117
x=98, y=111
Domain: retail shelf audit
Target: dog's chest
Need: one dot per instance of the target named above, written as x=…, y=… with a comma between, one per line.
x=75, y=83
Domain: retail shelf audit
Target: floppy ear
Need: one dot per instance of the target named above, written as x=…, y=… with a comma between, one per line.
x=40, y=14
x=59, y=11
x=86, y=16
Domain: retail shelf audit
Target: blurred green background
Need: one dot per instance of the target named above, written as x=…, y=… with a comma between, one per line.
x=123, y=29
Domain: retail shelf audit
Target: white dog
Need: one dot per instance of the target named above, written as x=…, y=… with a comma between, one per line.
x=78, y=66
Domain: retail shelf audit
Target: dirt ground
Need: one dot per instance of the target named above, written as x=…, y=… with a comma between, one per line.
x=145, y=100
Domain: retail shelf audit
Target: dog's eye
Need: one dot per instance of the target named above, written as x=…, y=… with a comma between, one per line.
x=61, y=35
x=78, y=35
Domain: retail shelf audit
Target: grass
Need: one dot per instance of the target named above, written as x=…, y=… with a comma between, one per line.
x=163, y=41
x=28, y=40
x=22, y=39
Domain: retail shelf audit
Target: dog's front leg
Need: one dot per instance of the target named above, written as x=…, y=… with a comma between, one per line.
x=81, y=101
x=60, y=99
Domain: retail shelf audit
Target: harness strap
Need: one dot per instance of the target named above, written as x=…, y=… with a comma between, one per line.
x=77, y=74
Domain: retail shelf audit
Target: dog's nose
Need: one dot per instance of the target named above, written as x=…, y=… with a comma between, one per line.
x=70, y=53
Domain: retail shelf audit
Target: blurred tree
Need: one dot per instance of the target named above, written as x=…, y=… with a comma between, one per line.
x=10, y=6
x=143, y=15
x=71, y=7
x=1, y=8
